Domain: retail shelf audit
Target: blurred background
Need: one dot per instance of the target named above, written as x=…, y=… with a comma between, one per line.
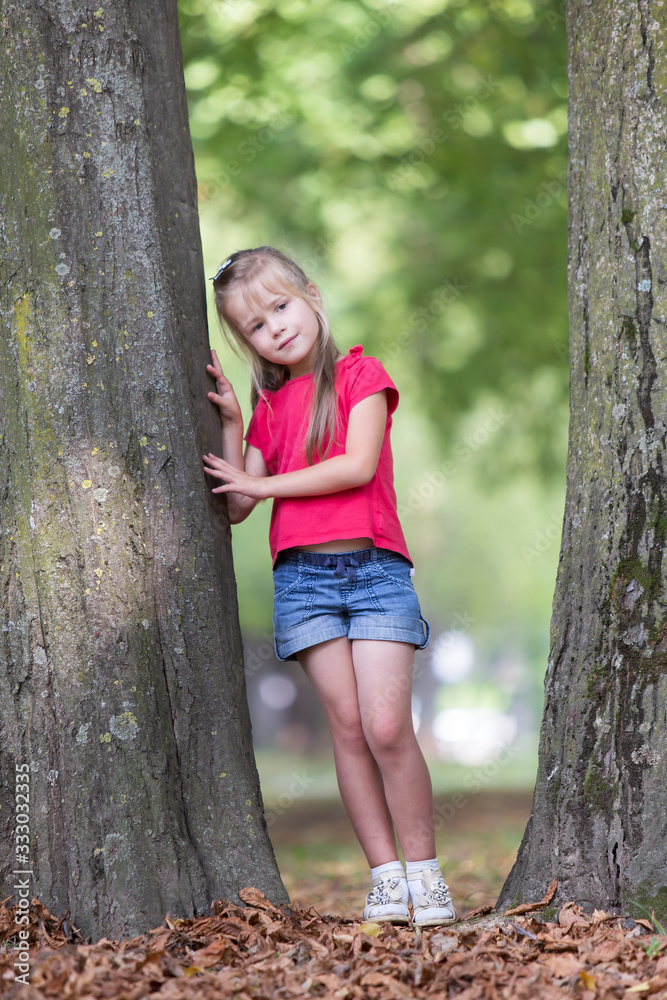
x=412, y=158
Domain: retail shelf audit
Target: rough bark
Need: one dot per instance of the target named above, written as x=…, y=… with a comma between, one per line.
x=598, y=821
x=121, y=670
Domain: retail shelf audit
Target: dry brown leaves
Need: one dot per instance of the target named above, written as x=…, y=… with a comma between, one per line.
x=259, y=950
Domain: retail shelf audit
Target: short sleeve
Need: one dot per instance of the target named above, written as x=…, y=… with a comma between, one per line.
x=252, y=435
x=369, y=376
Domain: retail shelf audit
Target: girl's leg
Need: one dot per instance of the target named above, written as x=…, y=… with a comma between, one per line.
x=383, y=672
x=329, y=668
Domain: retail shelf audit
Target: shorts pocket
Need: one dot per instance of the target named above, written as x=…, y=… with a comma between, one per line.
x=396, y=571
x=286, y=578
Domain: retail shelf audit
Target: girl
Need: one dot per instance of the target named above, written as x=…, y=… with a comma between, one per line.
x=344, y=604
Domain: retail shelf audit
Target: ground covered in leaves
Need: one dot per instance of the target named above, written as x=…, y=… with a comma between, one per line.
x=258, y=950
x=320, y=947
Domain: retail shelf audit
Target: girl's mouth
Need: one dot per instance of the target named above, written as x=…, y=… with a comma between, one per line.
x=286, y=343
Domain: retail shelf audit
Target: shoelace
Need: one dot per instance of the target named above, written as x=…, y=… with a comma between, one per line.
x=385, y=891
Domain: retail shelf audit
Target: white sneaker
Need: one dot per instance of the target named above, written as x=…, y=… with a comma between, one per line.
x=431, y=902
x=388, y=899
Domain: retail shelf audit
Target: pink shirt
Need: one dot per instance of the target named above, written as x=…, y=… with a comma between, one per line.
x=279, y=432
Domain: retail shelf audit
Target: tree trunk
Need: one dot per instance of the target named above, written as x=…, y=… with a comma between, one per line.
x=598, y=818
x=122, y=684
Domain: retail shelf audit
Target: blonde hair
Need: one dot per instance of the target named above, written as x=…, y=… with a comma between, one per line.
x=267, y=269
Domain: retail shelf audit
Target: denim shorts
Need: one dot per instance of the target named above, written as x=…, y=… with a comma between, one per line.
x=365, y=594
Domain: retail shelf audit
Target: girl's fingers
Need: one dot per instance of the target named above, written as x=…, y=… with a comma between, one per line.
x=221, y=384
x=215, y=369
x=219, y=475
x=217, y=467
x=213, y=463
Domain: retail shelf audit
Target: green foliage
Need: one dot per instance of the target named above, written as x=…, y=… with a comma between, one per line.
x=412, y=157
x=653, y=948
x=649, y=900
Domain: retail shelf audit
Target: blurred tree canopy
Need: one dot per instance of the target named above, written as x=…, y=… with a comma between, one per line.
x=412, y=157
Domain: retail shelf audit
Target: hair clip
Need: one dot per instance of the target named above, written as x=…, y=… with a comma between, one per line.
x=223, y=266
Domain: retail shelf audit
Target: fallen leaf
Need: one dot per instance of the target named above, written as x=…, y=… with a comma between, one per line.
x=571, y=916
x=587, y=980
x=216, y=953
x=392, y=989
x=562, y=965
x=330, y=980
x=191, y=970
x=370, y=928
x=600, y=916
x=481, y=911
x=608, y=951
x=344, y=938
x=443, y=944
x=529, y=907
x=253, y=897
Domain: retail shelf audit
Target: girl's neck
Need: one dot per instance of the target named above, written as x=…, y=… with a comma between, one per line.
x=339, y=357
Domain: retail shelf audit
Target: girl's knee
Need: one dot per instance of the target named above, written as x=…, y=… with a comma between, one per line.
x=388, y=734
x=348, y=733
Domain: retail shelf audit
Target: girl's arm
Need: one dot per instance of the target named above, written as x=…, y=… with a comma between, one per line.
x=365, y=433
x=239, y=504
x=231, y=420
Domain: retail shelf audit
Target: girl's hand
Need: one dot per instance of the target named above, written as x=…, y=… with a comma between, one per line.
x=236, y=481
x=225, y=398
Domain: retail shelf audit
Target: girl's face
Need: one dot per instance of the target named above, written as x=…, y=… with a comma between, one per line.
x=283, y=328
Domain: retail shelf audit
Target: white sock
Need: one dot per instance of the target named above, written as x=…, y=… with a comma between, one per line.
x=388, y=867
x=418, y=866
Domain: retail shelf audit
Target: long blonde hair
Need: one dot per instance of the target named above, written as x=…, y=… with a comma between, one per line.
x=267, y=269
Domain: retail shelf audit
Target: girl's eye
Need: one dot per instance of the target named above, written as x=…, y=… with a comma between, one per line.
x=283, y=305
x=257, y=326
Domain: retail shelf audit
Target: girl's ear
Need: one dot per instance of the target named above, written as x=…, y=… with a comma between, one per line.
x=314, y=291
